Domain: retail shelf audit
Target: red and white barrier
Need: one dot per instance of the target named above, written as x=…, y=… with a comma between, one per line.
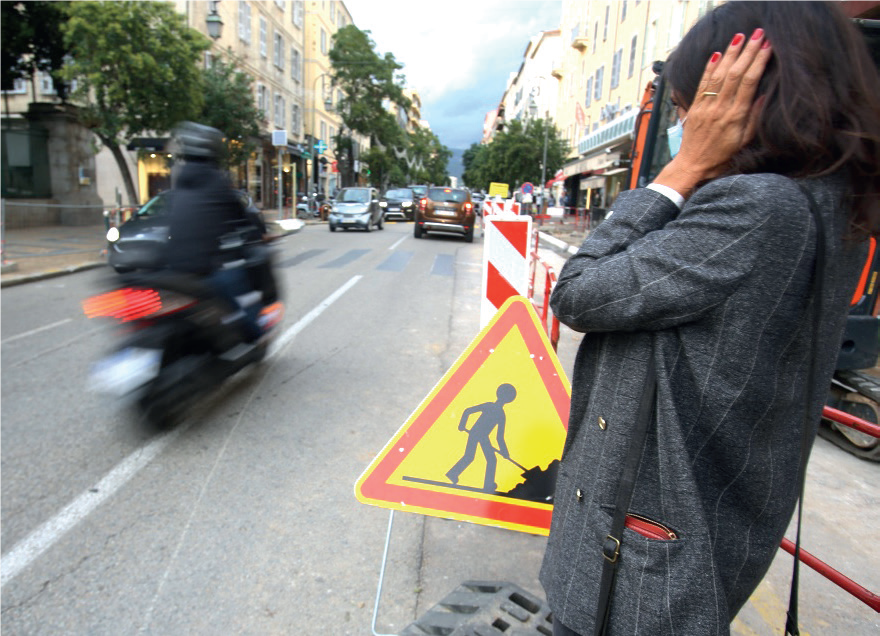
x=497, y=205
x=505, y=262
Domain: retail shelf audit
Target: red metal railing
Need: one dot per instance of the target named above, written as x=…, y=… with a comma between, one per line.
x=542, y=306
x=864, y=595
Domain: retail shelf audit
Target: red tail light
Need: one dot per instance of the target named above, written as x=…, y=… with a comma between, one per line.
x=423, y=204
x=468, y=207
x=132, y=303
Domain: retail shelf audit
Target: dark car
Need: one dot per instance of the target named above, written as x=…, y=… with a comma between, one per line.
x=399, y=204
x=137, y=243
x=421, y=191
x=356, y=208
x=446, y=210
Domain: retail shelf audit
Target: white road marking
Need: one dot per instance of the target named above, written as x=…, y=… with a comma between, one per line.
x=393, y=247
x=36, y=331
x=46, y=535
x=291, y=333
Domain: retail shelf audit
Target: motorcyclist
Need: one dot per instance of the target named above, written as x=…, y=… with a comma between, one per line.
x=204, y=209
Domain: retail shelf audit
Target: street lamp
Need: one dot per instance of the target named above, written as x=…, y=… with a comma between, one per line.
x=533, y=110
x=215, y=24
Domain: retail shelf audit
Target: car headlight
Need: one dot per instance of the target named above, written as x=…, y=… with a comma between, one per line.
x=406, y=204
x=113, y=235
x=383, y=204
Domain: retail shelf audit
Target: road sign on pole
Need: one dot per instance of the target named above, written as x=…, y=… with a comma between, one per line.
x=527, y=188
x=484, y=445
x=279, y=140
x=499, y=189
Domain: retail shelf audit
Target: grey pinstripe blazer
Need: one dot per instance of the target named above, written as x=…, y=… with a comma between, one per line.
x=720, y=294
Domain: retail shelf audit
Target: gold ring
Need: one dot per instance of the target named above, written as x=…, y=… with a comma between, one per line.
x=709, y=94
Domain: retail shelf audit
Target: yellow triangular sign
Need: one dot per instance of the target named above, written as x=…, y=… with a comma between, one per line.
x=485, y=443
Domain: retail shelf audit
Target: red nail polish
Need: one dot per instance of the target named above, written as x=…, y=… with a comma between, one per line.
x=737, y=39
x=766, y=44
x=758, y=34
x=715, y=57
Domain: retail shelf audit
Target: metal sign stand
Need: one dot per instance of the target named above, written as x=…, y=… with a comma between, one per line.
x=382, y=577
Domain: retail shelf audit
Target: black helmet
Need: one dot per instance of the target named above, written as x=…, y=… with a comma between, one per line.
x=197, y=141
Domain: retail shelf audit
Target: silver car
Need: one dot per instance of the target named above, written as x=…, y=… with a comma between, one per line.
x=356, y=208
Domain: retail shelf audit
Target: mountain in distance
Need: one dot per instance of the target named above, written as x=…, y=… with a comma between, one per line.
x=455, y=167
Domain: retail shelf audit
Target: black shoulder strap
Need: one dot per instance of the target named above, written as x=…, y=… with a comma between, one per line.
x=611, y=545
x=791, y=623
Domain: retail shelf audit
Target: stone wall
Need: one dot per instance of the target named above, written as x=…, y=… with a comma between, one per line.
x=71, y=156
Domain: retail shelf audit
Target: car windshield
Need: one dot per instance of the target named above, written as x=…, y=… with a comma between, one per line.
x=156, y=206
x=403, y=193
x=354, y=195
x=420, y=190
x=447, y=195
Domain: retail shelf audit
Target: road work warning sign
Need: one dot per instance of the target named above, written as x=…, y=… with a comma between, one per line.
x=484, y=445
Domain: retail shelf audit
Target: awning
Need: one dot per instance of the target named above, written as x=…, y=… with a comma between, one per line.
x=612, y=171
x=599, y=161
x=593, y=182
x=156, y=144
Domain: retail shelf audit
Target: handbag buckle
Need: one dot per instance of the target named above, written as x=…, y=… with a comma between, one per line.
x=611, y=550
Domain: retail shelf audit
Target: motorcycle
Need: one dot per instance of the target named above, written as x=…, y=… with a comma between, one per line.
x=180, y=339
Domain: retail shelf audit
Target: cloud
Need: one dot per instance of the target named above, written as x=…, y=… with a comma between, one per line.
x=457, y=54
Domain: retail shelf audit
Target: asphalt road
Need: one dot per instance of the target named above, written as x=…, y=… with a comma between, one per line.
x=243, y=519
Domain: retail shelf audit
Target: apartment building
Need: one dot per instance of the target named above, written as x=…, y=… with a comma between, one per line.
x=323, y=19
x=282, y=45
x=610, y=48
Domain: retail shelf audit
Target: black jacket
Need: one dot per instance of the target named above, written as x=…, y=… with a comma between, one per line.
x=203, y=208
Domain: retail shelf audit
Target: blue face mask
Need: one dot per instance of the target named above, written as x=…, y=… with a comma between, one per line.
x=673, y=136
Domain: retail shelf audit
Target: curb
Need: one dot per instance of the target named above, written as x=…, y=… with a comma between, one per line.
x=51, y=273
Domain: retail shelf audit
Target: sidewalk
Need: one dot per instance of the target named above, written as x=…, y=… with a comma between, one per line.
x=36, y=253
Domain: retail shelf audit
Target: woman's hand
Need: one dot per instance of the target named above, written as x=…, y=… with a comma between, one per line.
x=723, y=116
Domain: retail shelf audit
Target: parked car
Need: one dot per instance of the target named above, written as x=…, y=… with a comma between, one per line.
x=133, y=244
x=446, y=210
x=399, y=203
x=356, y=207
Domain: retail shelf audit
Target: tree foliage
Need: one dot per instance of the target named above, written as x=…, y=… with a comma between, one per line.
x=230, y=108
x=427, y=158
x=514, y=156
x=136, y=67
x=368, y=82
x=32, y=41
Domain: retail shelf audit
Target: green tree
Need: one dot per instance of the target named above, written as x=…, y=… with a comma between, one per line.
x=229, y=107
x=475, y=160
x=136, y=67
x=515, y=154
x=32, y=41
x=368, y=82
x=427, y=158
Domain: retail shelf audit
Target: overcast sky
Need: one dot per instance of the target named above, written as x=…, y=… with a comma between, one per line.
x=456, y=54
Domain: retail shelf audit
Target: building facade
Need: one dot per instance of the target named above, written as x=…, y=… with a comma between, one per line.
x=611, y=46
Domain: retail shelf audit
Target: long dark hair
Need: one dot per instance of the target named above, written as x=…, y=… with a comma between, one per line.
x=822, y=91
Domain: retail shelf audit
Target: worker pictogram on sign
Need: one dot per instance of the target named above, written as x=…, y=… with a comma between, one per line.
x=505, y=262
x=484, y=445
